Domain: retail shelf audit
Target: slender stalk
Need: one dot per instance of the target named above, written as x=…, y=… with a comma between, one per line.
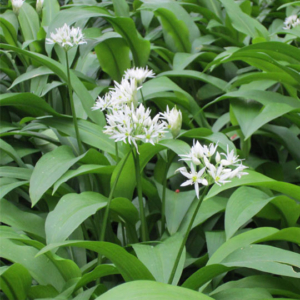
x=72, y=106
x=117, y=152
x=163, y=198
x=145, y=236
x=143, y=99
x=186, y=235
x=104, y=222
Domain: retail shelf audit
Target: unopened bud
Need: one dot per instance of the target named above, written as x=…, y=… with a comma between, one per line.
x=39, y=6
x=16, y=5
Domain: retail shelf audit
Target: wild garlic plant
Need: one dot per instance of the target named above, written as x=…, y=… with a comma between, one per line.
x=130, y=122
x=16, y=5
x=68, y=37
x=207, y=167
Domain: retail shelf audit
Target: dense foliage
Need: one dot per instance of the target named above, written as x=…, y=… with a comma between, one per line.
x=77, y=223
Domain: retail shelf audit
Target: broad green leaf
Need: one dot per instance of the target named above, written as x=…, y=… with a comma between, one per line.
x=98, y=272
x=9, y=150
x=274, y=285
x=217, y=82
x=9, y=31
x=257, y=179
x=30, y=103
x=6, y=188
x=242, y=22
x=14, y=172
x=29, y=23
x=42, y=269
x=15, y=281
x=50, y=9
x=148, y=290
x=291, y=234
x=23, y=220
x=248, y=294
x=78, y=87
x=160, y=259
x=121, y=8
x=113, y=55
x=32, y=74
x=85, y=169
x=49, y=169
x=128, y=265
x=243, y=204
x=90, y=133
x=266, y=259
x=125, y=209
x=70, y=212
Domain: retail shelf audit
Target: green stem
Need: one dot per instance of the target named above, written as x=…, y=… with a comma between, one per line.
x=140, y=194
x=143, y=99
x=163, y=198
x=72, y=106
x=186, y=235
x=117, y=152
x=106, y=213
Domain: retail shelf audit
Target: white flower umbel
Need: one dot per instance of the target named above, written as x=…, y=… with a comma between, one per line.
x=212, y=169
x=66, y=37
x=174, y=119
x=39, y=6
x=103, y=103
x=139, y=74
x=130, y=124
x=291, y=22
x=16, y=5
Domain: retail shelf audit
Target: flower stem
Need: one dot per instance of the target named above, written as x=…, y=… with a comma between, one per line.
x=117, y=152
x=143, y=99
x=106, y=213
x=72, y=106
x=140, y=194
x=163, y=198
x=186, y=235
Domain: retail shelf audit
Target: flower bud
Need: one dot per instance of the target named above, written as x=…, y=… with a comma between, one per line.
x=174, y=118
x=39, y=6
x=16, y=5
x=218, y=157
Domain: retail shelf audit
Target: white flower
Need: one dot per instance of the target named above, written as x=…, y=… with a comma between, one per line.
x=39, y=6
x=210, y=150
x=174, y=119
x=139, y=74
x=66, y=37
x=219, y=175
x=130, y=124
x=103, y=103
x=238, y=172
x=125, y=92
x=16, y=5
x=231, y=158
x=195, y=155
x=291, y=21
x=194, y=178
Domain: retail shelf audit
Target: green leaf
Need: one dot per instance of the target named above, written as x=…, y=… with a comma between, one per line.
x=242, y=22
x=274, y=285
x=49, y=169
x=125, y=209
x=128, y=265
x=148, y=290
x=50, y=9
x=257, y=179
x=30, y=103
x=78, y=87
x=15, y=282
x=20, y=219
x=121, y=8
x=9, y=31
x=14, y=172
x=266, y=259
x=243, y=204
x=160, y=259
x=8, y=149
x=113, y=55
x=85, y=169
x=248, y=294
x=6, y=188
x=70, y=212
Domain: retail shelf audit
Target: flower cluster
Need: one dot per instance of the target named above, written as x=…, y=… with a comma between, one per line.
x=212, y=167
x=67, y=37
x=129, y=121
x=291, y=22
x=16, y=5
